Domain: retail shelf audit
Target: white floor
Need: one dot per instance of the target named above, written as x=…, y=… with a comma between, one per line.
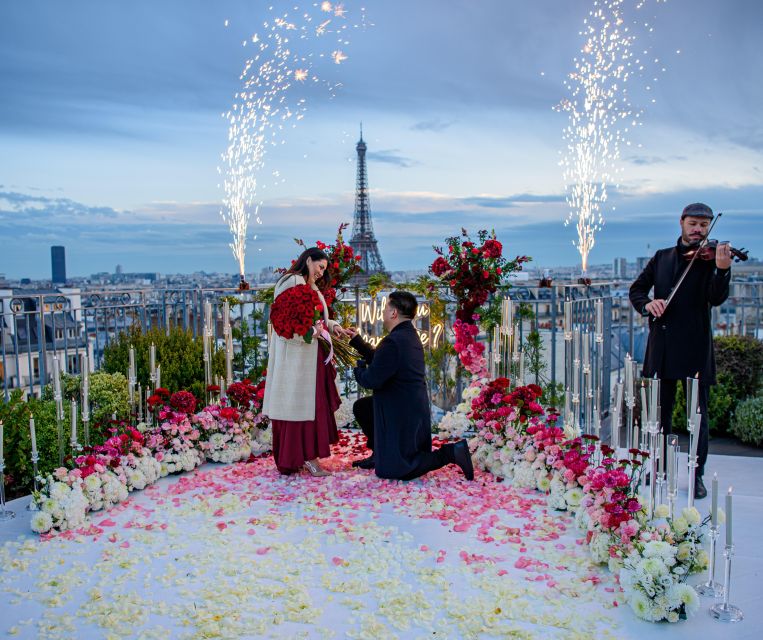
x=254, y=555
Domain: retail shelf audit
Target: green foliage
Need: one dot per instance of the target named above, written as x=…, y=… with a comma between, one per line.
x=15, y=415
x=748, y=421
x=180, y=355
x=109, y=395
x=740, y=358
x=378, y=282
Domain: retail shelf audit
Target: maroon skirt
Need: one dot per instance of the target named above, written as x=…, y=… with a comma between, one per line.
x=296, y=442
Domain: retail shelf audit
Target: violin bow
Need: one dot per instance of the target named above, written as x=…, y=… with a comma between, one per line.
x=691, y=262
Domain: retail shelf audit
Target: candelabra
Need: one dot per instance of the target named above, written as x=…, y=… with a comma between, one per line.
x=599, y=342
x=32, y=506
x=672, y=465
x=60, y=426
x=661, y=481
x=693, y=438
x=568, y=419
x=4, y=513
x=654, y=442
x=723, y=610
x=712, y=588
x=614, y=438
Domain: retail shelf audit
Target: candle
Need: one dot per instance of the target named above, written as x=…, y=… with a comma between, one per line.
x=628, y=377
x=33, y=435
x=568, y=316
x=158, y=376
x=1, y=442
x=654, y=393
x=695, y=437
x=152, y=359
x=140, y=403
x=643, y=406
x=714, y=508
x=586, y=351
x=85, y=369
x=599, y=307
x=576, y=377
x=728, y=519
x=661, y=454
x=85, y=401
x=74, y=422
x=132, y=362
x=56, y=378
x=671, y=464
x=635, y=437
x=522, y=367
x=694, y=386
x=576, y=345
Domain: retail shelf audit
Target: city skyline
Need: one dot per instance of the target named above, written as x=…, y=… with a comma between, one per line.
x=112, y=133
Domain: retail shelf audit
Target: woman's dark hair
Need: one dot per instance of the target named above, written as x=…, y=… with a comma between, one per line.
x=404, y=302
x=299, y=266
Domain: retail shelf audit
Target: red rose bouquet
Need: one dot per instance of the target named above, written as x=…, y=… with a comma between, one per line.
x=295, y=312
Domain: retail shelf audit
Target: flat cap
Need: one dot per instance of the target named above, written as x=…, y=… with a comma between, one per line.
x=697, y=210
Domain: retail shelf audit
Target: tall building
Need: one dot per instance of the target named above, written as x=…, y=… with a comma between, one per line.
x=58, y=265
x=641, y=264
x=620, y=268
x=363, y=241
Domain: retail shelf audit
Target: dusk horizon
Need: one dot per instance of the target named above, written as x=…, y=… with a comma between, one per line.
x=111, y=150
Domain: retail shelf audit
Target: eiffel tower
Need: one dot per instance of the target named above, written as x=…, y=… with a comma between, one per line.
x=363, y=241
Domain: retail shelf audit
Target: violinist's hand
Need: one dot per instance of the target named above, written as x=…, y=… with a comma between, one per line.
x=656, y=307
x=723, y=256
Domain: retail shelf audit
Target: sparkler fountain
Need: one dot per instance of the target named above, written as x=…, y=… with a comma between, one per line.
x=600, y=117
x=267, y=99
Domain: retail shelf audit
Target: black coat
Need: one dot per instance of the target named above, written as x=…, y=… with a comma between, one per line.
x=681, y=341
x=402, y=422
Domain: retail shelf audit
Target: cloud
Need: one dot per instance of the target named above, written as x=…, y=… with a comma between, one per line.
x=391, y=156
x=651, y=160
x=435, y=124
x=20, y=206
x=506, y=202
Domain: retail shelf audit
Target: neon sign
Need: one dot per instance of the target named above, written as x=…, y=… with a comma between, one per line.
x=372, y=312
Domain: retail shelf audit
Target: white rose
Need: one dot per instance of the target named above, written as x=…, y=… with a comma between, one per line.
x=691, y=515
x=661, y=511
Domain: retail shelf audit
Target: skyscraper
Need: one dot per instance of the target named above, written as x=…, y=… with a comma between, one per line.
x=58, y=265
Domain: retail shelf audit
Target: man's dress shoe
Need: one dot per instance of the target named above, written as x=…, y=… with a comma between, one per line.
x=464, y=458
x=365, y=463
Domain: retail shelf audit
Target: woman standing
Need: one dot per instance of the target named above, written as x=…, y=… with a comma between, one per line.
x=300, y=389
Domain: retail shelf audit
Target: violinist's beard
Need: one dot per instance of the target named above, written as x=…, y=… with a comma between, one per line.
x=693, y=239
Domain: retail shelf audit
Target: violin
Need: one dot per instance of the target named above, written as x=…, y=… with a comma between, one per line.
x=706, y=251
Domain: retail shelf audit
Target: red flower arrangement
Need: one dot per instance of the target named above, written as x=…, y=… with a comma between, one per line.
x=183, y=401
x=473, y=272
x=154, y=401
x=343, y=263
x=295, y=312
x=247, y=395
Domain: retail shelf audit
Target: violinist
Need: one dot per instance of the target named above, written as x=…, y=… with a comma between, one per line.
x=680, y=343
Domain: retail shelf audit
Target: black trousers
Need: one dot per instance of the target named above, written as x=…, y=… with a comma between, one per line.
x=667, y=400
x=363, y=410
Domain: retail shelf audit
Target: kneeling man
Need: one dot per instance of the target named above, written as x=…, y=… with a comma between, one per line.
x=400, y=431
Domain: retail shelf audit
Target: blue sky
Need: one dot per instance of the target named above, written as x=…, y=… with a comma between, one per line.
x=111, y=131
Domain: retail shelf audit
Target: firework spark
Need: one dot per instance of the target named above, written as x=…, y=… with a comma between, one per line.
x=285, y=57
x=600, y=116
